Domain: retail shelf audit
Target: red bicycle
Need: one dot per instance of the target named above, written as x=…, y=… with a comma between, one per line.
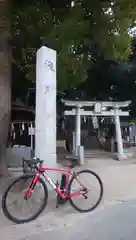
x=28, y=184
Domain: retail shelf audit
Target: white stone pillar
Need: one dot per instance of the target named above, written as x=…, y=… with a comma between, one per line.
x=78, y=129
x=74, y=143
x=45, y=132
x=118, y=136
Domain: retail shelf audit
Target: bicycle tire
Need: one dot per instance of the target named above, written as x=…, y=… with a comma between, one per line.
x=100, y=195
x=33, y=217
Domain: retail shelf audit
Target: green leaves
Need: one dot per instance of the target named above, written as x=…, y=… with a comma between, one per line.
x=71, y=69
x=89, y=28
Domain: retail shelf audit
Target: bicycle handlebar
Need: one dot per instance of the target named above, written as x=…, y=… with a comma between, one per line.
x=32, y=162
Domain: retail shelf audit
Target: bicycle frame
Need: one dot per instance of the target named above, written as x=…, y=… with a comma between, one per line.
x=43, y=171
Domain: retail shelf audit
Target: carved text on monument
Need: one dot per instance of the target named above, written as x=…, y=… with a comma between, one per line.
x=49, y=64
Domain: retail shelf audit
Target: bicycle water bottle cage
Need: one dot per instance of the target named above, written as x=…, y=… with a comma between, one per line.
x=62, y=187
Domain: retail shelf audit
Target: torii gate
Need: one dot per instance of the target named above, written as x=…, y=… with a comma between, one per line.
x=100, y=109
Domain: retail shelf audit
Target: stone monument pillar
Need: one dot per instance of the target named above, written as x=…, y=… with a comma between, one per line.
x=45, y=121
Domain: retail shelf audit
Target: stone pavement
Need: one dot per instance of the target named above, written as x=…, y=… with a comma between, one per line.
x=119, y=179
x=114, y=223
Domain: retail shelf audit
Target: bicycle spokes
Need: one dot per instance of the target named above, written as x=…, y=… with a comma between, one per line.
x=85, y=191
x=16, y=202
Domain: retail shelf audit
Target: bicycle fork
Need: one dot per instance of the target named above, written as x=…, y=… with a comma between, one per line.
x=28, y=193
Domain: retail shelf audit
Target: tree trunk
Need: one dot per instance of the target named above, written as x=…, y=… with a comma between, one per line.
x=5, y=83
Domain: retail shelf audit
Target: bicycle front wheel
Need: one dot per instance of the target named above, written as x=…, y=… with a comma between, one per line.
x=86, y=190
x=14, y=204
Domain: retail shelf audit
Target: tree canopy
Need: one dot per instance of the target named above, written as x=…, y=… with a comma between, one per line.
x=79, y=30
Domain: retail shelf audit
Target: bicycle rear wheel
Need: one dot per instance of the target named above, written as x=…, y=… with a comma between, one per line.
x=79, y=184
x=16, y=188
